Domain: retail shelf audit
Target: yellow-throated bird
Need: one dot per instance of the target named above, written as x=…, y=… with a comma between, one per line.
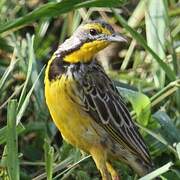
x=86, y=106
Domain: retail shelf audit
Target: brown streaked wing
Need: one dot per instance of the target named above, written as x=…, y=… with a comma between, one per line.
x=103, y=102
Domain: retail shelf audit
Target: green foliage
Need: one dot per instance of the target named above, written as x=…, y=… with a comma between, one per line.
x=49, y=159
x=140, y=103
x=12, y=146
x=148, y=79
x=53, y=9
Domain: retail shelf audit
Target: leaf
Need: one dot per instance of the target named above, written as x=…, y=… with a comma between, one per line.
x=168, y=129
x=54, y=9
x=140, y=102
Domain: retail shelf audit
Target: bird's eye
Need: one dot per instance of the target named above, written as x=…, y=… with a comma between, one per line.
x=93, y=32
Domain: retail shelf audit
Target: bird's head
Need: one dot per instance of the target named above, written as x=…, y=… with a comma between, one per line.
x=87, y=40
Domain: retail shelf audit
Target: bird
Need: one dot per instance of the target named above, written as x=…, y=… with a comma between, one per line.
x=86, y=106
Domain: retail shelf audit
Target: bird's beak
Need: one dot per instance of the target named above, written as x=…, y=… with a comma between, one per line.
x=116, y=37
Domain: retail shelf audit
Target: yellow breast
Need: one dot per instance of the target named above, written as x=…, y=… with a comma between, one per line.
x=74, y=124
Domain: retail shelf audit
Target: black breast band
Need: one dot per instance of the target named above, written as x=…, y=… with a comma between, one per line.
x=57, y=68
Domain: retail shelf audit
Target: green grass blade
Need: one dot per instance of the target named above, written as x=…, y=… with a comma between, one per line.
x=63, y=31
x=178, y=150
x=172, y=49
x=30, y=53
x=3, y=158
x=137, y=15
x=129, y=53
x=157, y=172
x=158, y=137
x=12, y=146
x=19, y=129
x=3, y=165
x=168, y=129
x=155, y=33
x=155, y=26
x=39, y=88
x=5, y=46
x=64, y=164
x=15, y=93
x=27, y=98
x=170, y=74
x=71, y=167
x=49, y=159
x=53, y=9
x=8, y=71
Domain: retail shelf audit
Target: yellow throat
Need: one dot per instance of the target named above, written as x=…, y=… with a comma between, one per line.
x=86, y=52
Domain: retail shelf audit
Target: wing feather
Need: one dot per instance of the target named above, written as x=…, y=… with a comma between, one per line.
x=103, y=102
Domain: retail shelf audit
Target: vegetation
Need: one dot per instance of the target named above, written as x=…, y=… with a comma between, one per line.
x=146, y=72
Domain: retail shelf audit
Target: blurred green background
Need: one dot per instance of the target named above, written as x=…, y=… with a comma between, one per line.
x=146, y=71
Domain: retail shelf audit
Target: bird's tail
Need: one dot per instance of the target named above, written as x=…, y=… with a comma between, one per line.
x=142, y=167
